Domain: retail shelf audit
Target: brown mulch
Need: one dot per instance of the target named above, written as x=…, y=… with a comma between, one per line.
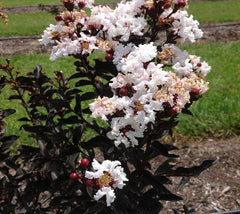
x=216, y=189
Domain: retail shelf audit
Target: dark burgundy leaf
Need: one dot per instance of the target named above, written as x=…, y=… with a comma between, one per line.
x=37, y=128
x=94, y=142
x=161, y=149
x=65, y=151
x=70, y=120
x=24, y=119
x=87, y=111
x=37, y=71
x=105, y=67
x=88, y=96
x=7, y=142
x=83, y=83
x=73, y=91
x=165, y=166
x=186, y=111
x=27, y=88
x=150, y=205
x=2, y=82
x=181, y=171
x=57, y=103
x=77, y=134
x=14, y=97
x=25, y=81
x=95, y=209
x=78, y=75
x=169, y=197
x=6, y=113
x=77, y=108
x=43, y=79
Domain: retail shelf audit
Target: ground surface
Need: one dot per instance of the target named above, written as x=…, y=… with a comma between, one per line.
x=215, y=189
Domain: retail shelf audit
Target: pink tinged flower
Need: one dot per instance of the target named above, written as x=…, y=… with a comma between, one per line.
x=102, y=107
x=119, y=81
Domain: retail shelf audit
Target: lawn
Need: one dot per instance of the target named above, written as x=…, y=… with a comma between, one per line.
x=215, y=11
x=14, y=3
x=26, y=24
x=216, y=114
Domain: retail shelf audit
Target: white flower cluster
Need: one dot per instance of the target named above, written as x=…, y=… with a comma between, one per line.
x=114, y=25
x=121, y=22
x=117, y=24
x=183, y=63
x=108, y=175
x=186, y=28
x=143, y=88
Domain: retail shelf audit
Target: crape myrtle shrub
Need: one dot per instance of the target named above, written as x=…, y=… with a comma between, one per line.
x=138, y=87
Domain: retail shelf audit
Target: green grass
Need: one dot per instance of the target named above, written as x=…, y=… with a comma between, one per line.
x=26, y=24
x=215, y=114
x=215, y=11
x=14, y=3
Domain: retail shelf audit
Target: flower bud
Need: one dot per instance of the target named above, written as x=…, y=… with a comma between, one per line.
x=84, y=162
x=73, y=176
x=199, y=64
x=123, y=92
x=67, y=22
x=194, y=92
x=81, y=4
x=69, y=5
x=181, y=3
x=174, y=110
x=58, y=18
x=166, y=6
x=97, y=80
x=109, y=57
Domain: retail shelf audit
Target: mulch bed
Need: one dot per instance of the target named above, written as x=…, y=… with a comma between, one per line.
x=215, y=189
